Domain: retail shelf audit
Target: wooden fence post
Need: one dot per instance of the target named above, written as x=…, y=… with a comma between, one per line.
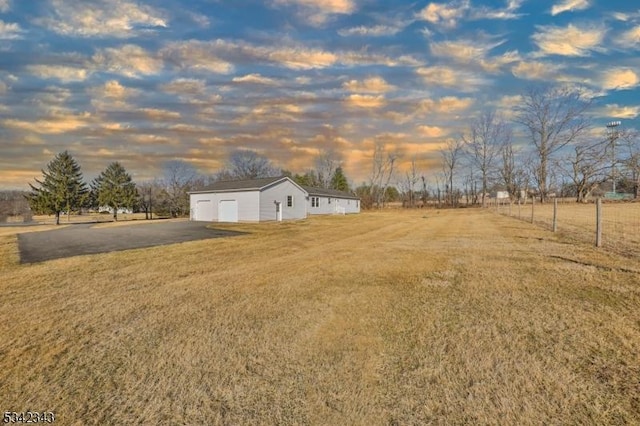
x=555, y=215
x=599, y=222
x=533, y=205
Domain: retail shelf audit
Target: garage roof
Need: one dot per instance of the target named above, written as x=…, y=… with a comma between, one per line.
x=323, y=192
x=259, y=184
x=242, y=185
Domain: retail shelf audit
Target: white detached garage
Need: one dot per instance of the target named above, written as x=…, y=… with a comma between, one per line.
x=255, y=200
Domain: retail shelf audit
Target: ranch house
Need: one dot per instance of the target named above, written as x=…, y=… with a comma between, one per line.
x=330, y=201
x=266, y=199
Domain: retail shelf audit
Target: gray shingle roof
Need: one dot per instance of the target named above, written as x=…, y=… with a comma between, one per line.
x=258, y=184
x=323, y=192
x=240, y=185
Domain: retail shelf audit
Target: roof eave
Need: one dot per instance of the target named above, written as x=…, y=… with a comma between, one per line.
x=207, y=191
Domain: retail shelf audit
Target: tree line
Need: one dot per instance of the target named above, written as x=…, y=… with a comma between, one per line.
x=62, y=188
x=556, y=152
x=549, y=147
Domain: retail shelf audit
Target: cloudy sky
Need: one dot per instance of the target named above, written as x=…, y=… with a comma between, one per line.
x=143, y=82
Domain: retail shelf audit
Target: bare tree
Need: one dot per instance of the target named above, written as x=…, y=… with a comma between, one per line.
x=439, y=178
x=326, y=164
x=178, y=179
x=409, y=182
x=424, y=193
x=586, y=166
x=247, y=164
x=513, y=173
x=553, y=117
x=486, y=136
x=150, y=194
x=451, y=156
x=381, y=174
x=471, y=186
x=631, y=161
x=14, y=203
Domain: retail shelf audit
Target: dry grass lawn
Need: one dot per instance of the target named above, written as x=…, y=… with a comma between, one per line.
x=457, y=317
x=620, y=222
x=102, y=218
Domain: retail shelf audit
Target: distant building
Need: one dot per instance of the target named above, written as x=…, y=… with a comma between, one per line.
x=121, y=210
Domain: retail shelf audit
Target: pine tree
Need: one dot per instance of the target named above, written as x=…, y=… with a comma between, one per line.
x=115, y=189
x=62, y=189
x=310, y=178
x=339, y=180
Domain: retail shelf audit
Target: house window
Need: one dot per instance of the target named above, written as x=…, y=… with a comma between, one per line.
x=289, y=200
x=329, y=200
x=315, y=202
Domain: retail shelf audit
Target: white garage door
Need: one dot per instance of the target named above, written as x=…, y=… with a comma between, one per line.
x=204, y=210
x=228, y=211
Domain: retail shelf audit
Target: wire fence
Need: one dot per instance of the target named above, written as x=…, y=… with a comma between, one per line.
x=613, y=225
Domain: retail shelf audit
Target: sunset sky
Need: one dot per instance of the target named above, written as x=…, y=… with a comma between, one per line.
x=144, y=82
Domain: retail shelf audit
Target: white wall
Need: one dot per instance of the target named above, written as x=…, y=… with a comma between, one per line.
x=351, y=206
x=193, y=201
x=248, y=210
x=248, y=204
x=279, y=193
x=326, y=207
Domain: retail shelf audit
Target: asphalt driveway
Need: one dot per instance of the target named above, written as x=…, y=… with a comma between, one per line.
x=80, y=239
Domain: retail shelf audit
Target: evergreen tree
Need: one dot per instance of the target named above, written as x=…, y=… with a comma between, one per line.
x=308, y=179
x=339, y=180
x=115, y=189
x=62, y=189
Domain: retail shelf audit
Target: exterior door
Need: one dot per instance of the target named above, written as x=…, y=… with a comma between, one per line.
x=228, y=211
x=278, y=211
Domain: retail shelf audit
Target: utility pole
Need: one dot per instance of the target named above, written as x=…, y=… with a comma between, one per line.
x=612, y=130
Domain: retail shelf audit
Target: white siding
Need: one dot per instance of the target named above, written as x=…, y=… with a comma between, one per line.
x=280, y=192
x=326, y=207
x=247, y=204
x=197, y=214
x=351, y=206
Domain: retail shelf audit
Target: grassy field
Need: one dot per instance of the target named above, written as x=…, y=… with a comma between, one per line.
x=620, y=222
x=419, y=317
